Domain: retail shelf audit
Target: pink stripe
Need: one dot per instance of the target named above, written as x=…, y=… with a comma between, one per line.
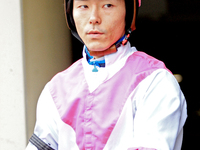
x=94, y=115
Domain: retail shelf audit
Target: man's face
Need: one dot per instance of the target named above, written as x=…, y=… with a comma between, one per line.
x=99, y=23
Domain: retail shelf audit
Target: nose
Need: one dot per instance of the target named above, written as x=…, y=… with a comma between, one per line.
x=95, y=17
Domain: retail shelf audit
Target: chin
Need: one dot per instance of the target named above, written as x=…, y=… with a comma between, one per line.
x=98, y=47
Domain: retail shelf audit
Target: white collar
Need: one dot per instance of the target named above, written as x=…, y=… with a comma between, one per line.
x=110, y=59
x=113, y=63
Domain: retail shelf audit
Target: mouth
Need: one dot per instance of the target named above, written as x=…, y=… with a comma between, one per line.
x=95, y=34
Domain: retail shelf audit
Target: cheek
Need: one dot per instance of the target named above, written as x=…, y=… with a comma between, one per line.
x=121, y=22
x=78, y=27
x=118, y=28
x=79, y=23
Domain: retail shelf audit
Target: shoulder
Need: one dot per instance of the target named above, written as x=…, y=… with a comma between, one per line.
x=159, y=73
x=140, y=65
x=145, y=61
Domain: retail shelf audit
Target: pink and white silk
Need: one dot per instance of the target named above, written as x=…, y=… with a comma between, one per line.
x=93, y=115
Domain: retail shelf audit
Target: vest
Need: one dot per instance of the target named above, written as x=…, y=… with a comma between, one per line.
x=94, y=115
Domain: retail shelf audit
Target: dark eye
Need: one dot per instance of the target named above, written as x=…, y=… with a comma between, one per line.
x=108, y=5
x=83, y=6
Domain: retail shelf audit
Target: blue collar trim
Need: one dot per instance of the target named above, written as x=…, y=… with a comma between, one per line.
x=99, y=63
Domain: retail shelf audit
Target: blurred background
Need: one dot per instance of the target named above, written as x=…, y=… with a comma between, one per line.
x=35, y=44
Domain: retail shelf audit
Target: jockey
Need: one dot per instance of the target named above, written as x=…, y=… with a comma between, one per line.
x=115, y=97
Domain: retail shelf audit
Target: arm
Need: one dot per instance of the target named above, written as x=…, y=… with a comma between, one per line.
x=160, y=113
x=45, y=132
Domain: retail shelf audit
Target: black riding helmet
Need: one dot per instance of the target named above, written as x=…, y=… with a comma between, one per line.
x=131, y=14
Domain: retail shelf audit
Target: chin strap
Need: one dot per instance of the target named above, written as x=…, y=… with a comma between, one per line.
x=127, y=37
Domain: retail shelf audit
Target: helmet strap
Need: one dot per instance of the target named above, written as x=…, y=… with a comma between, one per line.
x=129, y=31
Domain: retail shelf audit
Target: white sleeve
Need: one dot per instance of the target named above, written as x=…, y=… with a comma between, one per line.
x=46, y=127
x=160, y=112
